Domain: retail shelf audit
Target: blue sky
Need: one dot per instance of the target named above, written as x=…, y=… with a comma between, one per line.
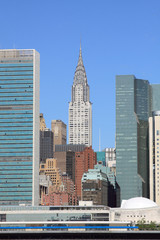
x=117, y=36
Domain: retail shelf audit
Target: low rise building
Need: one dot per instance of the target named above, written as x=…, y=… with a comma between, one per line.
x=131, y=211
x=135, y=210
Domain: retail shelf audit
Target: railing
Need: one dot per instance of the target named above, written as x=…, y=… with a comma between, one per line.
x=70, y=227
x=66, y=226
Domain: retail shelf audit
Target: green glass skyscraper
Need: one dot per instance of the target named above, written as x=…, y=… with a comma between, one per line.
x=19, y=127
x=132, y=113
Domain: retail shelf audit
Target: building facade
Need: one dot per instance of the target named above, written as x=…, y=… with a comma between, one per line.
x=154, y=156
x=65, y=155
x=70, y=165
x=70, y=147
x=42, y=126
x=132, y=113
x=80, y=108
x=63, y=194
x=111, y=183
x=46, y=145
x=59, y=130
x=101, y=158
x=83, y=161
x=61, y=161
x=135, y=101
x=95, y=187
x=44, y=184
x=50, y=169
x=19, y=127
x=66, y=162
x=110, y=154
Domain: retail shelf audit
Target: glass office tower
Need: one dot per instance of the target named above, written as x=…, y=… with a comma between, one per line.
x=19, y=127
x=155, y=97
x=132, y=113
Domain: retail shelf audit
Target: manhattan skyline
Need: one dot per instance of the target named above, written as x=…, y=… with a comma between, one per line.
x=118, y=38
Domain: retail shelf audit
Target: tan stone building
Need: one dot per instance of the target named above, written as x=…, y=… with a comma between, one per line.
x=61, y=160
x=42, y=122
x=50, y=169
x=59, y=129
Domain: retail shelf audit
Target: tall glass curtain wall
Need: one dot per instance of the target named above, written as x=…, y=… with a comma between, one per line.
x=132, y=112
x=16, y=131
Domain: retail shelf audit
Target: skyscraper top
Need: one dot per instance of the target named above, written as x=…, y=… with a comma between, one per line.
x=80, y=73
x=80, y=60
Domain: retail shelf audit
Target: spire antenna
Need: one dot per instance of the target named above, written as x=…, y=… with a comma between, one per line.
x=80, y=43
x=80, y=49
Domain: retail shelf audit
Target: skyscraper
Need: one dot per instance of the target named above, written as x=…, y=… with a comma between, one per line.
x=59, y=130
x=132, y=113
x=46, y=145
x=154, y=156
x=80, y=108
x=19, y=127
x=154, y=148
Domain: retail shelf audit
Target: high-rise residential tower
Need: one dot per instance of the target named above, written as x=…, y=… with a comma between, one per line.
x=19, y=127
x=80, y=108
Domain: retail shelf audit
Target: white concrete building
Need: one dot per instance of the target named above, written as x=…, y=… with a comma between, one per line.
x=136, y=209
x=80, y=108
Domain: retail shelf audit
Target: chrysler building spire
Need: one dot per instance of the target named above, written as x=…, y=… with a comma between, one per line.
x=80, y=60
x=80, y=108
x=80, y=78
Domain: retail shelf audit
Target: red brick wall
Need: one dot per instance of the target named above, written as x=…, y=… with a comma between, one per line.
x=83, y=161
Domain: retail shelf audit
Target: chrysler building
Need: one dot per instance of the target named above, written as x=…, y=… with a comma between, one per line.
x=80, y=108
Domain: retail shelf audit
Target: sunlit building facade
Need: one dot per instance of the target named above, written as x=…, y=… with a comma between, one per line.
x=154, y=156
x=80, y=108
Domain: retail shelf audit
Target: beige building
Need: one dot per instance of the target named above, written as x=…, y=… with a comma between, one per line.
x=59, y=129
x=42, y=122
x=61, y=160
x=154, y=156
x=50, y=169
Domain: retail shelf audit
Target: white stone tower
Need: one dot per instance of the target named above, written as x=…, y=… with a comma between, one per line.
x=80, y=108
